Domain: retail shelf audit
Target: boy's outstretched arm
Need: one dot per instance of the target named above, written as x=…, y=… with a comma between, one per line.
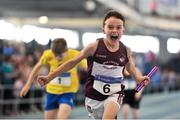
x=30, y=80
x=130, y=67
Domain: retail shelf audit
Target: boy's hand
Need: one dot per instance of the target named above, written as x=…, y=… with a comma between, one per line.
x=24, y=90
x=143, y=83
x=146, y=79
x=42, y=80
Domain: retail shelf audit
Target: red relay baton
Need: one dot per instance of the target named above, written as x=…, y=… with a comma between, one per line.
x=141, y=84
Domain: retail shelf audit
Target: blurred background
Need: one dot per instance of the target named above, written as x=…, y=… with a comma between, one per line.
x=27, y=28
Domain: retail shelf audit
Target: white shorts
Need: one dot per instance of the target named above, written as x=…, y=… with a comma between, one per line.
x=95, y=108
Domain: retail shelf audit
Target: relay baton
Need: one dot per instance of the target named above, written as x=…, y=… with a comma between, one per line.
x=141, y=84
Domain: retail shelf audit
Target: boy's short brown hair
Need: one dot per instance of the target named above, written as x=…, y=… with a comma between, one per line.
x=113, y=13
x=59, y=46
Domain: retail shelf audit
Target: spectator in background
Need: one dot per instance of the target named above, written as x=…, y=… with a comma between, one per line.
x=168, y=78
x=7, y=82
x=2, y=77
x=24, y=71
x=155, y=83
x=149, y=62
x=8, y=50
x=174, y=63
x=153, y=7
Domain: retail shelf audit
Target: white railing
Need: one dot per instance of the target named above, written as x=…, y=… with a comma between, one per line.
x=35, y=96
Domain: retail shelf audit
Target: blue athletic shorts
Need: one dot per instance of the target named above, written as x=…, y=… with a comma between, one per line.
x=53, y=100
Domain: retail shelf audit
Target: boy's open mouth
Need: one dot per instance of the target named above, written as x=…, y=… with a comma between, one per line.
x=113, y=37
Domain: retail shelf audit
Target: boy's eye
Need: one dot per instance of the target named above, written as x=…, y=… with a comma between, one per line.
x=110, y=27
x=117, y=27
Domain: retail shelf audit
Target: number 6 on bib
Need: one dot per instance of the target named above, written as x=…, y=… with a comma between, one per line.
x=107, y=85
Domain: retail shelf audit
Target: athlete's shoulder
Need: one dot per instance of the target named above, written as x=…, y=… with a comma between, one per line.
x=48, y=52
x=46, y=56
x=73, y=51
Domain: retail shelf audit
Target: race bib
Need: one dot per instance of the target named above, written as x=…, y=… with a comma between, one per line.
x=107, y=85
x=63, y=79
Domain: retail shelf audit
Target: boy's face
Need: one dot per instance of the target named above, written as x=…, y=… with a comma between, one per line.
x=113, y=29
x=61, y=56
